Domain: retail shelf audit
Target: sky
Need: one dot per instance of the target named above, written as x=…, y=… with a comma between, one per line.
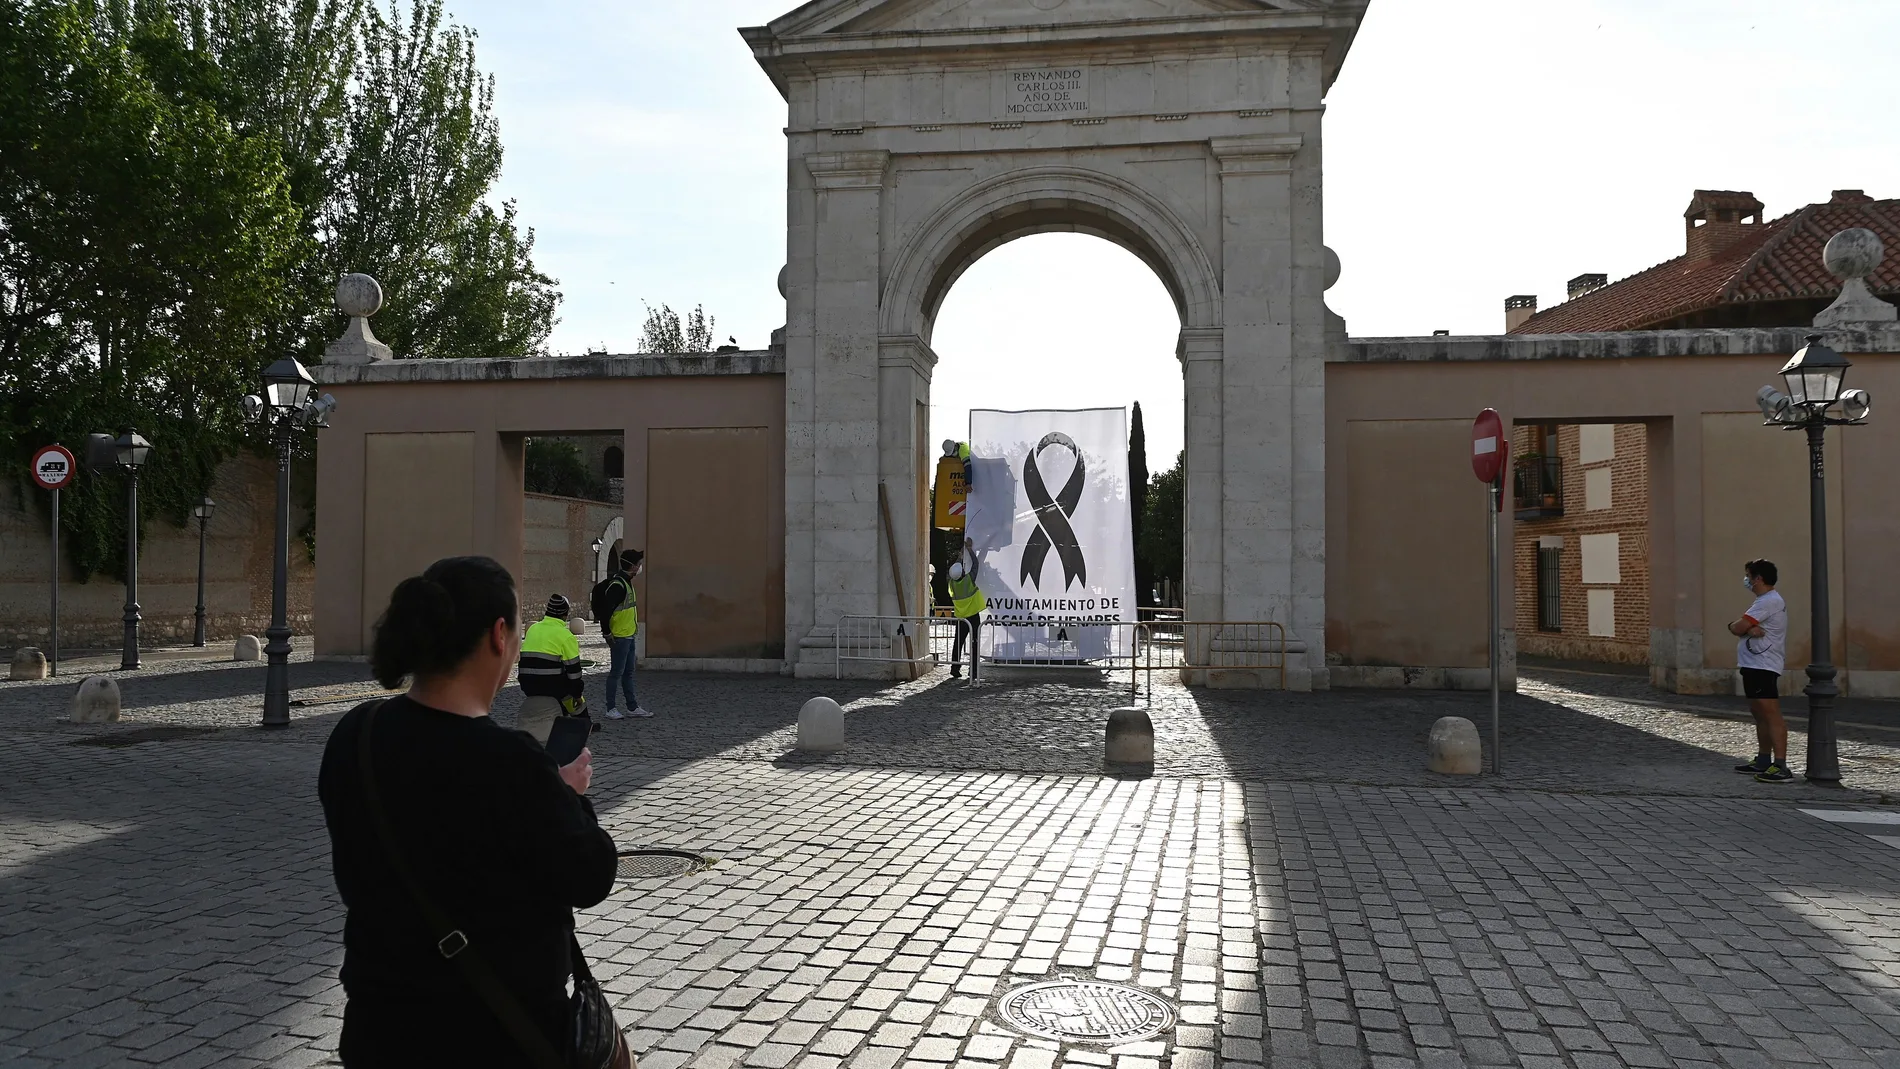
x=1474, y=149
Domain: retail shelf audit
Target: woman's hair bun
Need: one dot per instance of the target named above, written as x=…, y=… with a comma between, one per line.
x=435, y=619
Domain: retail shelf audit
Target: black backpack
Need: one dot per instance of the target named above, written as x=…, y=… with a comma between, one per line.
x=603, y=602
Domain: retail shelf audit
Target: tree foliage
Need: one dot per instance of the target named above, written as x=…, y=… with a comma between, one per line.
x=181, y=183
x=666, y=332
x=557, y=467
x=1138, y=501
x=1163, y=527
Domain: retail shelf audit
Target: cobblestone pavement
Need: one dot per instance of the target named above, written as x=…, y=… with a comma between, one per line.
x=1289, y=878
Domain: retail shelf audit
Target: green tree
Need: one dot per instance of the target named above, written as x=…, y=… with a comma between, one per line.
x=422, y=148
x=666, y=332
x=1138, y=503
x=556, y=467
x=1164, y=524
x=143, y=243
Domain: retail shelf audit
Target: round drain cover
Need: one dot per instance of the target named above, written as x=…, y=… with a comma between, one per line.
x=1087, y=1011
x=657, y=864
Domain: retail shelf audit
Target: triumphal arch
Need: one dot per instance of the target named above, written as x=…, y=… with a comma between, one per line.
x=924, y=133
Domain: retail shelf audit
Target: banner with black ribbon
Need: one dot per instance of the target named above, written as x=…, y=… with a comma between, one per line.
x=1053, y=529
x=1050, y=519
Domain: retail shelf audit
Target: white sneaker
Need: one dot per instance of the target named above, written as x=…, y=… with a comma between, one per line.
x=641, y=712
x=612, y=714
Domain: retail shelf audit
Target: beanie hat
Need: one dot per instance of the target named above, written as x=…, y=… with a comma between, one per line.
x=558, y=607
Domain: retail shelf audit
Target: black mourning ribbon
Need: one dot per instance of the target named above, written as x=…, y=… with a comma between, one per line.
x=1052, y=517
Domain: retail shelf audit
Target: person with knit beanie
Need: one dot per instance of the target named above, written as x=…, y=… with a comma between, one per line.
x=550, y=671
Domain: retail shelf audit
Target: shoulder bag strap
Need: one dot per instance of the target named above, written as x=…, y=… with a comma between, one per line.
x=450, y=941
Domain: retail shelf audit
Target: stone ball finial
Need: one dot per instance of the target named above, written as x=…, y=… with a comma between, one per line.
x=359, y=295
x=1853, y=253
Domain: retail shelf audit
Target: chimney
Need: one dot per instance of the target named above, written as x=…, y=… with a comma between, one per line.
x=1851, y=196
x=1517, y=309
x=1583, y=284
x=1718, y=218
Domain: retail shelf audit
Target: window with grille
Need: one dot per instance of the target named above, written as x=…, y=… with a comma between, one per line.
x=1550, y=609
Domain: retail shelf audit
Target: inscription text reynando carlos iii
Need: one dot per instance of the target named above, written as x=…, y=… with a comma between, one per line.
x=1046, y=93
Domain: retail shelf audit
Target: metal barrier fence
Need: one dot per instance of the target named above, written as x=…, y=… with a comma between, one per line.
x=922, y=642
x=1216, y=646
x=1161, y=644
x=1105, y=647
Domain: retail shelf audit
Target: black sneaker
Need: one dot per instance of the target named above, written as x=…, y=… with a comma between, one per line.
x=1776, y=772
x=1755, y=766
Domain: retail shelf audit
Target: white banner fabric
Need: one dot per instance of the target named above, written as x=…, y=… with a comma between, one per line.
x=1070, y=557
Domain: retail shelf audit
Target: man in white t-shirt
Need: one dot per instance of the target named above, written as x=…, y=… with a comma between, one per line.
x=1763, y=631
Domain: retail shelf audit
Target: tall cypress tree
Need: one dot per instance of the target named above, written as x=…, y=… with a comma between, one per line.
x=1138, y=502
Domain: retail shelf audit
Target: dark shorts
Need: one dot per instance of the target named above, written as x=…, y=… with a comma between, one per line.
x=1759, y=684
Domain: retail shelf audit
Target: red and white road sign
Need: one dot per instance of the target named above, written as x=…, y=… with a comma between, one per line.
x=53, y=467
x=958, y=508
x=1490, y=450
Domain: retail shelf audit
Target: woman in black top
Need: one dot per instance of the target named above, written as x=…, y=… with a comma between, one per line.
x=504, y=842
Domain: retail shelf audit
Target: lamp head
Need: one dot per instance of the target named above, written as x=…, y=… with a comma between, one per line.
x=132, y=449
x=1814, y=375
x=204, y=508
x=287, y=385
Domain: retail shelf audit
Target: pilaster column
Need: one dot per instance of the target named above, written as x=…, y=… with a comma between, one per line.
x=831, y=396
x=1200, y=354
x=1263, y=229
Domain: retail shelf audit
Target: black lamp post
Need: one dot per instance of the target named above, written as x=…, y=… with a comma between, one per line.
x=131, y=451
x=289, y=404
x=1814, y=377
x=202, y=510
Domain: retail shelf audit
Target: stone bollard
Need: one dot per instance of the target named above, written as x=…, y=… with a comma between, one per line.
x=578, y=626
x=96, y=702
x=28, y=663
x=1130, y=738
x=821, y=726
x=248, y=649
x=1454, y=748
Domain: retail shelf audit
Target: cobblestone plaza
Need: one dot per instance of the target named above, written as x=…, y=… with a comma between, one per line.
x=1289, y=879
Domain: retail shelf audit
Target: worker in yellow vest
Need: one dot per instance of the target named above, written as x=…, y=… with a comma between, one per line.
x=550, y=671
x=617, y=609
x=967, y=601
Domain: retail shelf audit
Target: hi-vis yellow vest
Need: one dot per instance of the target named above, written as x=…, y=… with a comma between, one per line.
x=625, y=621
x=967, y=597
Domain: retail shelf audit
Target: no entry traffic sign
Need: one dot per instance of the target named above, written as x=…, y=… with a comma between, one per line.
x=53, y=467
x=1489, y=448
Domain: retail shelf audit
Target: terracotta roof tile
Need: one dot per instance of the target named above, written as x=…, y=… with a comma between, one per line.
x=1780, y=260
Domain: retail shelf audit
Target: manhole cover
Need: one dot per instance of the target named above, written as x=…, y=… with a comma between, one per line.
x=657, y=864
x=1087, y=1011
x=138, y=735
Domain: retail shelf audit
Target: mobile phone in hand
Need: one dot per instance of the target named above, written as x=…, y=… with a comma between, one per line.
x=567, y=738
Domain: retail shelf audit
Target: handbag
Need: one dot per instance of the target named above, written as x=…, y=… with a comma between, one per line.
x=594, y=1038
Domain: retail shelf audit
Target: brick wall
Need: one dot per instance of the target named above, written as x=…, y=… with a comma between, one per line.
x=1627, y=517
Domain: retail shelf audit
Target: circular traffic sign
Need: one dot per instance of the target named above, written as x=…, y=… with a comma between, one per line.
x=1489, y=447
x=53, y=467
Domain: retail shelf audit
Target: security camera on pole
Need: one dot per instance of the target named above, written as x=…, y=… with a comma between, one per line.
x=1490, y=456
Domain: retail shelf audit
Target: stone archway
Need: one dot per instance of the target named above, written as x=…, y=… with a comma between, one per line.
x=924, y=133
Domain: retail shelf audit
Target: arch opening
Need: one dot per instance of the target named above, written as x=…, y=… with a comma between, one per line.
x=1064, y=320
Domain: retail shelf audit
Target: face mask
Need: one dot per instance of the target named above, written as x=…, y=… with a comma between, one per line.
x=1748, y=583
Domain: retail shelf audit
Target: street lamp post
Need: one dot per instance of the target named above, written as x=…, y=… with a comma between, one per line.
x=131, y=451
x=288, y=404
x=202, y=510
x=1814, y=377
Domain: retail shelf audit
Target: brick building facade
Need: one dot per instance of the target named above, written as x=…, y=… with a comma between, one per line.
x=1581, y=500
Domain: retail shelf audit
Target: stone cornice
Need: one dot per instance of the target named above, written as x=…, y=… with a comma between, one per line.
x=1200, y=343
x=750, y=362
x=848, y=170
x=1627, y=345
x=1256, y=153
x=906, y=350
